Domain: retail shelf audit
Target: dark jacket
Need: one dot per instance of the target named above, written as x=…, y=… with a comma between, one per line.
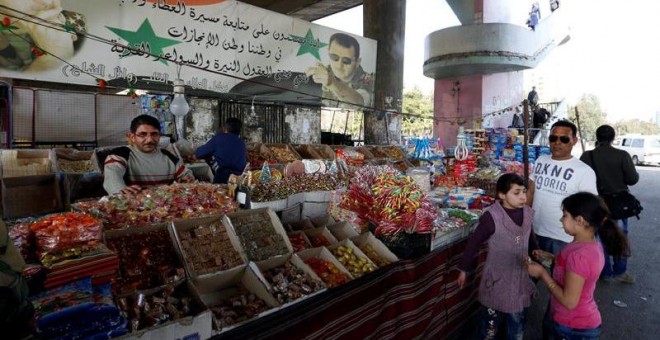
x=229, y=155
x=614, y=169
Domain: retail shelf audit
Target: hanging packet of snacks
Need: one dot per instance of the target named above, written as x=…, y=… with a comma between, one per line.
x=429, y=149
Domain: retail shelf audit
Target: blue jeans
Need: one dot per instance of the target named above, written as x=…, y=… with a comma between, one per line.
x=550, y=244
x=492, y=320
x=566, y=333
x=619, y=265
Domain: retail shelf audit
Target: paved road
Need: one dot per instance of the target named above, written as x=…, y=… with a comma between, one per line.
x=640, y=320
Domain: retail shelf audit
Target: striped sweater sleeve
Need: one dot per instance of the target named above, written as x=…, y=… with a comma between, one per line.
x=183, y=173
x=114, y=170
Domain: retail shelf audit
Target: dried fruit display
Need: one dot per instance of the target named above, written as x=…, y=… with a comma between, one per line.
x=66, y=232
x=373, y=255
x=258, y=236
x=207, y=249
x=402, y=165
x=349, y=155
x=283, y=153
x=298, y=242
x=147, y=260
x=377, y=152
x=366, y=154
x=319, y=241
x=328, y=272
x=393, y=152
x=275, y=175
x=241, y=305
x=306, y=152
x=160, y=204
x=65, y=165
x=144, y=311
x=256, y=159
x=290, y=283
x=356, y=265
x=288, y=186
x=323, y=150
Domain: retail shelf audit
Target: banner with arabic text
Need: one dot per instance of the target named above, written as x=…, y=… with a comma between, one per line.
x=222, y=46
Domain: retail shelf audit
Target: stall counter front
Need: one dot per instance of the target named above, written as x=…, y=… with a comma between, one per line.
x=408, y=299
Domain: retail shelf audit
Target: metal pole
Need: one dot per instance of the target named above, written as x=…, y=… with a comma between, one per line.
x=346, y=122
x=525, y=141
x=332, y=122
x=387, y=128
x=577, y=118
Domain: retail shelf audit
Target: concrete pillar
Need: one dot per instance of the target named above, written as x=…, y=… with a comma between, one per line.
x=479, y=99
x=475, y=101
x=385, y=21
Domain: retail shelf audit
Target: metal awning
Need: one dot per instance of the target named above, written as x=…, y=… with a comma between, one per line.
x=308, y=10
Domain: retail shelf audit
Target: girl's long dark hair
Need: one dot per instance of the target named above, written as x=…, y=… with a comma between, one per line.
x=595, y=212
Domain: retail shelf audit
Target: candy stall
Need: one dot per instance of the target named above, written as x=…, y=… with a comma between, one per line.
x=310, y=242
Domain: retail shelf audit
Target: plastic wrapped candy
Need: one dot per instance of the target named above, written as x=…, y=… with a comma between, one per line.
x=160, y=204
x=64, y=232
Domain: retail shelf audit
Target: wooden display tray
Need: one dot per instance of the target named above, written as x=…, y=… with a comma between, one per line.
x=393, y=152
x=324, y=150
x=307, y=152
x=364, y=151
x=263, y=152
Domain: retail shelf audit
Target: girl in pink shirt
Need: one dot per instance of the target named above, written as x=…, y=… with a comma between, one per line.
x=578, y=266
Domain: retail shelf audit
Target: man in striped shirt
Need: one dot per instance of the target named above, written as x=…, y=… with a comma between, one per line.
x=127, y=169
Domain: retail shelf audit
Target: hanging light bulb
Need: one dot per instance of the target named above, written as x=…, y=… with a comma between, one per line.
x=461, y=152
x=179, y=106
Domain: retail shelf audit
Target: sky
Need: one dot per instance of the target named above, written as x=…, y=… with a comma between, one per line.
x=614, y=52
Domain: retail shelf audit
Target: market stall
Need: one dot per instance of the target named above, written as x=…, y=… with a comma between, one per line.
x=317, y=239
x=405, y=300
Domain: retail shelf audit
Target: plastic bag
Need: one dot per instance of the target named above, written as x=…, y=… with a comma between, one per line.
x=60, y=232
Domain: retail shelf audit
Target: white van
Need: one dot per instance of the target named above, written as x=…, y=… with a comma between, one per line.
x=642, y=149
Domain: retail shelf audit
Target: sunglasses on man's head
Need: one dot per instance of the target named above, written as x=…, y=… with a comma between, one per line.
x=563, y=139
x=344, y=60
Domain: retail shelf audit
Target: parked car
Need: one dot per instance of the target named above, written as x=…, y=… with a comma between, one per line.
x=642, y=149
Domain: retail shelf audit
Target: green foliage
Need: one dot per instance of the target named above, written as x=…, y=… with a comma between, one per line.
x=591, y=115
x=636, y=126
x=415, y=102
